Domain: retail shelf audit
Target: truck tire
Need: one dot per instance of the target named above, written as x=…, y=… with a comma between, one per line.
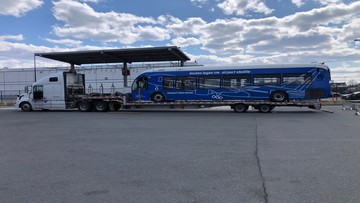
x=115, y=105
x=240, y=108
x=265, y=108
x=101, y=106
x=26, y=106
x=85, y=106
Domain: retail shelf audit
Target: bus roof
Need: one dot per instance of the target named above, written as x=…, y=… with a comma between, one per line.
x=235, y=67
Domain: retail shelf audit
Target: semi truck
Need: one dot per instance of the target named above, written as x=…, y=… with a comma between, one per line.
x=66, y=90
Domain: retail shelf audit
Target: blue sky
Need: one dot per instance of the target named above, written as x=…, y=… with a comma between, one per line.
x=209, y=31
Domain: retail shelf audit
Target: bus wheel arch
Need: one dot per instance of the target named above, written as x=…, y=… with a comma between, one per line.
x=26, y=106
x=279, y=96
x=240, y=108
x=158, y=97
x=265, y=108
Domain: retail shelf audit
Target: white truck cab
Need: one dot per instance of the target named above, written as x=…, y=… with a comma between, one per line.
x=58, y=91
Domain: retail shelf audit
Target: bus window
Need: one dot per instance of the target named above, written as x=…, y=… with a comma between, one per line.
x=185, y=83
x=297, y=79
x=236, y=81
x=266, y=79
x=168, y=83
x=209, y=82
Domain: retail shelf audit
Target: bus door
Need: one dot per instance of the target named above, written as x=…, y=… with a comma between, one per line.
x=140, y=89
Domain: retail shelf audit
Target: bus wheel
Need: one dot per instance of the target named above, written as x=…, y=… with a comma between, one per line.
x=101, y=106
x=158, y=97
x=240, y=108
x=26, y=106
x=84, y=106
x=278, y=96
x=265, y=108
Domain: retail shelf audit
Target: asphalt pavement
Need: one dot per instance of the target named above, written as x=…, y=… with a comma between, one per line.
x=290, y=155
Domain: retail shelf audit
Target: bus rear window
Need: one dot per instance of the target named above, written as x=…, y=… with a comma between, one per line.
x=267, y=80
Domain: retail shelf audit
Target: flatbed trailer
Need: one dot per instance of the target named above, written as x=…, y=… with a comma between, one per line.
x=114, y=103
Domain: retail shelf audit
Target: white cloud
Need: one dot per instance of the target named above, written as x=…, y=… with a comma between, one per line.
x=18, y=8
x=241, y=7
x=65, y=42
x=12, y=37
x=199, y=3
x=91, y=1
x=324, y=34
x=81, y=21
x=298, y=3
x=327, y=2
x=185, y=42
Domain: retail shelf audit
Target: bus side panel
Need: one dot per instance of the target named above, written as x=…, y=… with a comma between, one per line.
x=314, y=86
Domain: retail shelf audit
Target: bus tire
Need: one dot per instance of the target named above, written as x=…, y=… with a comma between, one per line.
x=240, y=108
x=158, y=97
x=101, y=106
x=278, y=96
x=265, y=108
x=26, y=106
x=84, y=106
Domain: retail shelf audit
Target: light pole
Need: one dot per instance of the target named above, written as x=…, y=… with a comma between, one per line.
x=3, y=92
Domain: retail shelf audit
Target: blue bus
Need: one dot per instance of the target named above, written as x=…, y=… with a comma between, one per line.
x=276, y=83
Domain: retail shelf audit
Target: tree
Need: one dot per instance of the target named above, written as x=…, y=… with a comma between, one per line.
x=352, y=82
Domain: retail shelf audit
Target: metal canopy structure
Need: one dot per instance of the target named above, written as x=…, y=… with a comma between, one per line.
x=125, y=56
x=152, y=54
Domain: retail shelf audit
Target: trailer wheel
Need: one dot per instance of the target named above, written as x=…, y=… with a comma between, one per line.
x=240, y=108
x=278, y=96
x=158, y=97
x=114, y=105
x=101, y=106
x=26, y=106
x=265, y=108
x=85, y=106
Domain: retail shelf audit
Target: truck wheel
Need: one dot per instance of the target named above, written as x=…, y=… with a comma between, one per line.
x=114, y=105
x=26, y=106
x=158, y=97
x=240, y=108
x=84, y=106
x=101, y=106
x=265, y=108
x=278, y=96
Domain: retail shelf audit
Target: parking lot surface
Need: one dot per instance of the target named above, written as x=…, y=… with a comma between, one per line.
x=290, y=155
